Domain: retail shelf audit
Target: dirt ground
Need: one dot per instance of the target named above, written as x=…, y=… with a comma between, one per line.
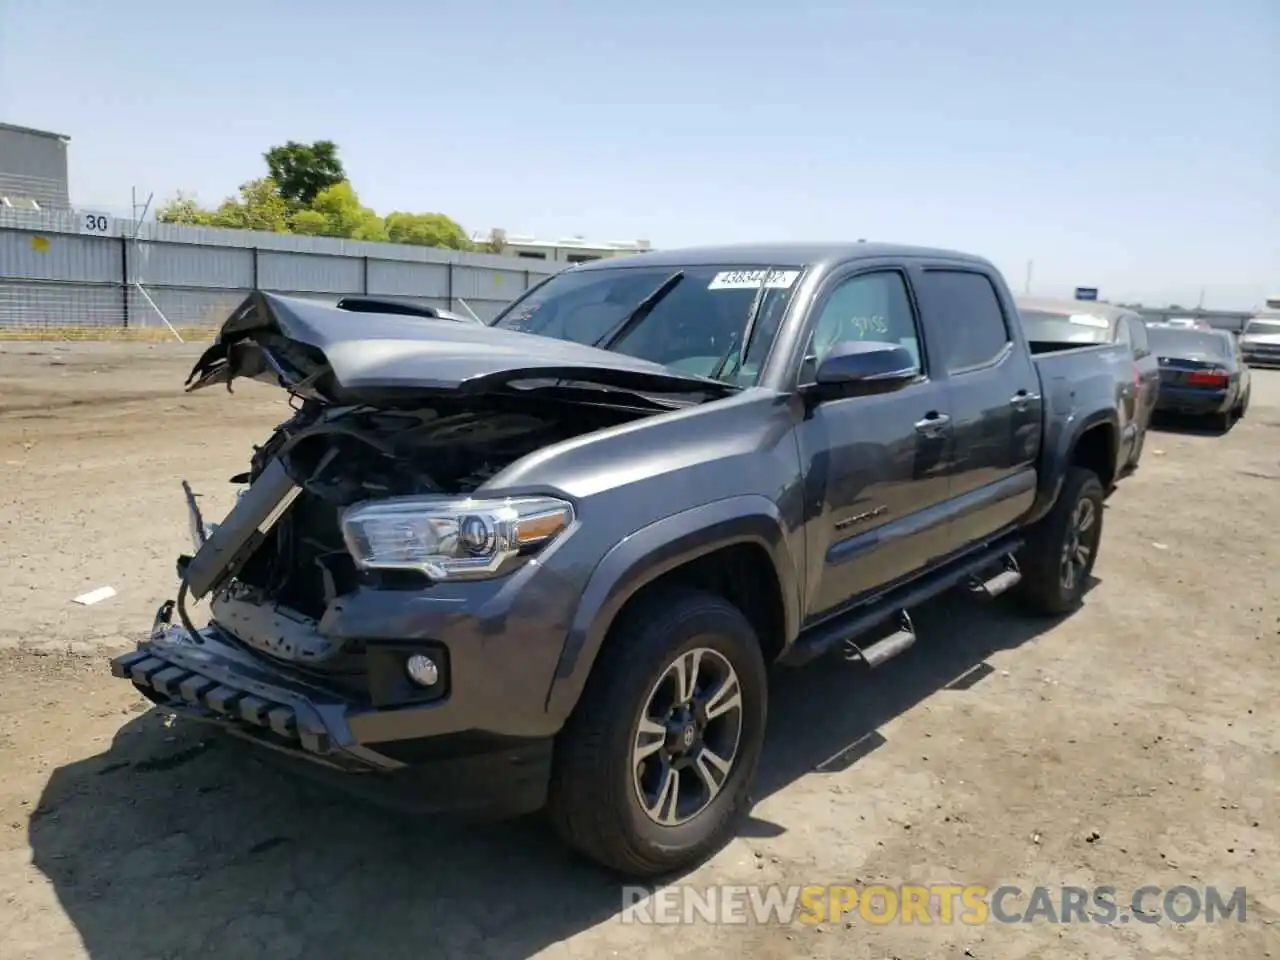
x=1133, y=743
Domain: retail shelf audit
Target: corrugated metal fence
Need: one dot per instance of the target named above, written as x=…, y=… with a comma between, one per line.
x=71, y=273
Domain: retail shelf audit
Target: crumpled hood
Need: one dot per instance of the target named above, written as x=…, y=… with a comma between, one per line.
x=303, y=345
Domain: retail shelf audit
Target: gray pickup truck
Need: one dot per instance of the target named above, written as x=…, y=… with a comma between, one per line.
x=545, y=562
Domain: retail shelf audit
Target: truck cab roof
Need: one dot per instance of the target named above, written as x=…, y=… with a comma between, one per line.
x=811, y=254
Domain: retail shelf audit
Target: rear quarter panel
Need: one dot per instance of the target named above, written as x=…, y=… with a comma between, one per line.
x=1081, y=388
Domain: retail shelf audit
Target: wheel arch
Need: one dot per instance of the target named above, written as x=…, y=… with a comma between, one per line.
x=1093, y=444
x=685, y=546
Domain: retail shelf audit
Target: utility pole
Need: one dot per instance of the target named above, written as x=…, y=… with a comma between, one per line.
x=1027, y=287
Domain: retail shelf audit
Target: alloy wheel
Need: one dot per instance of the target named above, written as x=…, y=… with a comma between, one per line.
x=1078, y=548
x=687, y=737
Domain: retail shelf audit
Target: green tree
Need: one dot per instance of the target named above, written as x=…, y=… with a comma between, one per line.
x=307, y=193
x=259, y=207
x=184, y=209
x=336, y=211
x=309, y=223
x=304, y=170
x=497, y=241
x=426, y=230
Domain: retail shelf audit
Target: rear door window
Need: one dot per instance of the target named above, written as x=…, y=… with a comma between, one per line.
x=971, y=323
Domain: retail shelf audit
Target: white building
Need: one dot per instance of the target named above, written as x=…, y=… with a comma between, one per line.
x=33, y=169
x=564, y=250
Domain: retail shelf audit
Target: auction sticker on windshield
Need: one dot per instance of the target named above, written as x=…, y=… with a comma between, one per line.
x=749, y=279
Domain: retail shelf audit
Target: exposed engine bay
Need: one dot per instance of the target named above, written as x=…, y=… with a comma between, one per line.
x=340, y=456
x=392, y=405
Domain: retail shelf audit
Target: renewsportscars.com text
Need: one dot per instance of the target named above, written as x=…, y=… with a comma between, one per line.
x=970, y=904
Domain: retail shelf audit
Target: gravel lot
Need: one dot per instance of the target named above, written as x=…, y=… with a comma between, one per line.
x=1133, y=743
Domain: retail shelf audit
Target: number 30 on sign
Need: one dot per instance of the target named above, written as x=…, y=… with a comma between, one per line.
x=98, y=224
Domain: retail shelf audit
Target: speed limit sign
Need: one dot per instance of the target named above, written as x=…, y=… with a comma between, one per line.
x=96, y=224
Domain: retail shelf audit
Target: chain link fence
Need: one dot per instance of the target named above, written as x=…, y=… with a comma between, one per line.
x=88, y=276
x=68, y=311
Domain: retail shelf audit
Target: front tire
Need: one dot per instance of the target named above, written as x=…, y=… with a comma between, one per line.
x=1059, y=555
x=653, y=770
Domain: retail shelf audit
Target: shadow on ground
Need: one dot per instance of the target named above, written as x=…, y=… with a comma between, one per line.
x=179, y=843
x=1188, y=425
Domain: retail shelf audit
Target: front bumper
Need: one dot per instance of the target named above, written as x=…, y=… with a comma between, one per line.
x=1261, y=358
x=1191, y=401
x=323, y=732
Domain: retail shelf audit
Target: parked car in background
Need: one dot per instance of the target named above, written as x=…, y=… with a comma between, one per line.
x=1053, y=325
x=1185, y=323
x=1260, y=341
x=545, y=561
x=1202, y=373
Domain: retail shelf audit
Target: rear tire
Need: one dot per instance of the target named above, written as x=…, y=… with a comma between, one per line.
x=626, y=803
x=1242, y=407
x=1224, y=420
x=1069, y=535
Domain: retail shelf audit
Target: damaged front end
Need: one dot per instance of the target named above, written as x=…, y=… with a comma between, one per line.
x=376, y=489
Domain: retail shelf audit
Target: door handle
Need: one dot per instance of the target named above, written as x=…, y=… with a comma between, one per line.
x=933, y=424
x=1022, y=398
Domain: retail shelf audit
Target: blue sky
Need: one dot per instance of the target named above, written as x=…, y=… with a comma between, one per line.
x=1133, y=146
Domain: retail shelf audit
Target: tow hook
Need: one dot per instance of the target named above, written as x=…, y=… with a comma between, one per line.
x=164, y=618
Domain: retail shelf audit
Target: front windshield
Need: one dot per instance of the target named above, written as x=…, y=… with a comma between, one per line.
x=1065, y=328
x=696, y=328
x=1183, y=342
x=1263, y=327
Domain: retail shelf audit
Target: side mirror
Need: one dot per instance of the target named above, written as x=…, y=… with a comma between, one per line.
x=861, y=368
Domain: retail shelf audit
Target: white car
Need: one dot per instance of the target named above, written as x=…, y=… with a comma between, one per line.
x=1260, y=341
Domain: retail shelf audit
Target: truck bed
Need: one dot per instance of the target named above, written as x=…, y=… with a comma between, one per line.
x=1041, y=347
x=1107, y=367
x=1076, y=363
x=1075, y=376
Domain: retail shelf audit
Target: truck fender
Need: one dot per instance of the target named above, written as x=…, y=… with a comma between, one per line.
x=654, y=550
x=1060, y=451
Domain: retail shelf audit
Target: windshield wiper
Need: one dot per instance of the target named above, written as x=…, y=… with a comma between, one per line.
x=642, y=310
x=747, y=331
x=718, y=369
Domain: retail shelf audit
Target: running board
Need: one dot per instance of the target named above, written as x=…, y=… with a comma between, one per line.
x=886, y=648
x=1005, y=580
x=826, y=636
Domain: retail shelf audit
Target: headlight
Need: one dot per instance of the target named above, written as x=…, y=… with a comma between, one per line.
x=451, y=539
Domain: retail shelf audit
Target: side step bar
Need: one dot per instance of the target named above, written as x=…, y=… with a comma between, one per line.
x=823, y=637
x=885, y=648
x=1002, y=582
